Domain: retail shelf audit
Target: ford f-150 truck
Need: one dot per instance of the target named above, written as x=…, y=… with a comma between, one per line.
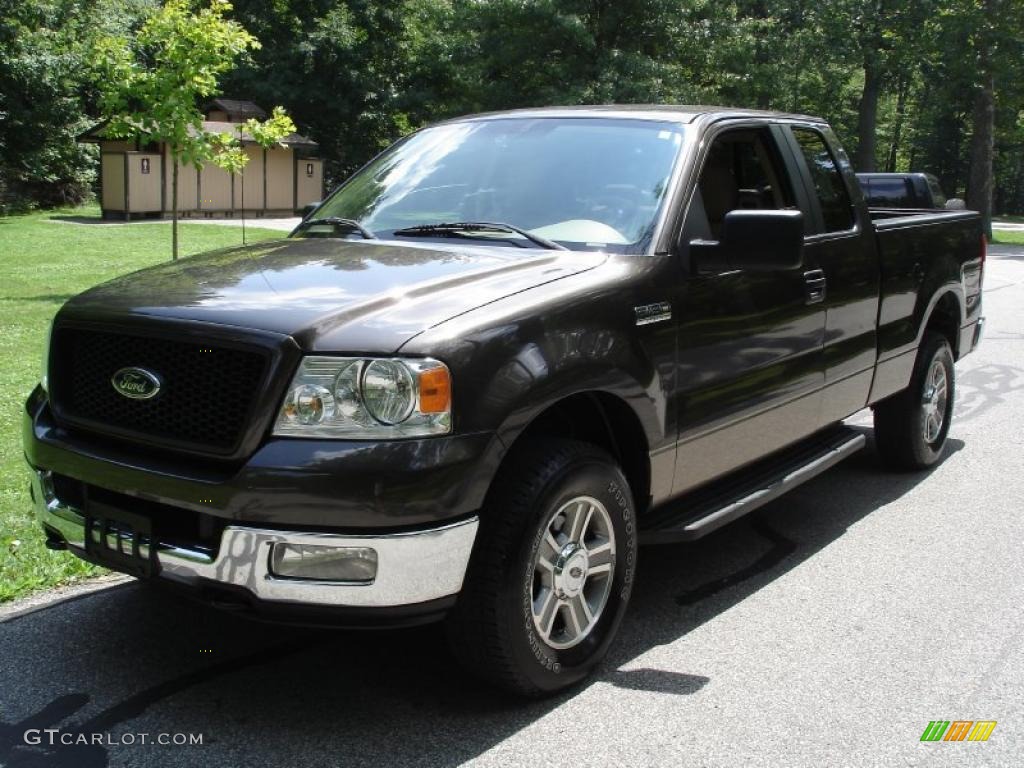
x=510, y=349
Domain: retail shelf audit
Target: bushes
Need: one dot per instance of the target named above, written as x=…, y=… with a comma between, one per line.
x=45, y=99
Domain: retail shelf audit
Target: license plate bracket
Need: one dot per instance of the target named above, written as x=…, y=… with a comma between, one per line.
x=121, y=540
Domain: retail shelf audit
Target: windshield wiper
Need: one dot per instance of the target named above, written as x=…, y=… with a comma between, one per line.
x=338, y=222
x=466, y=228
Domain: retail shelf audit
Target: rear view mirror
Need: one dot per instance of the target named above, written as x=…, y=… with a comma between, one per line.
x=756, y=241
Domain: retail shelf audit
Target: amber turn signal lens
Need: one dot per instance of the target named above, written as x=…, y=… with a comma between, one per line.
x=435, y=391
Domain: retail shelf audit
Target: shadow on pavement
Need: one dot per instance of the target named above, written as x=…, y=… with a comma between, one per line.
x=980, y=389
x=132, y=659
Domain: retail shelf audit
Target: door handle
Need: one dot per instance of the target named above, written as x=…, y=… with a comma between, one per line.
x=814, y=281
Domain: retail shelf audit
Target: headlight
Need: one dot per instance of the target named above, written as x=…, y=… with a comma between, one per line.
x=388, y=391
x=366, y=399
x=44, y=368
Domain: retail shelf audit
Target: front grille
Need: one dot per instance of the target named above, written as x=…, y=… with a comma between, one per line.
x=205, y=399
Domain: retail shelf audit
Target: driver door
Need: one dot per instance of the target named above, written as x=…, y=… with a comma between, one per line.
x=750, y=361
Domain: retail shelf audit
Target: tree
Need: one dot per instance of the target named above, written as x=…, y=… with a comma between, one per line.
x=151, y=85
x=227, y=148
x=901, y=82
x=998, y=49
x=44, y=47
x=887, y=47
x=979, y=182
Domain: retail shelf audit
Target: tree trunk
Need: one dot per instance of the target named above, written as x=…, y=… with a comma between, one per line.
x=897, y=128
x=979, y=179
x=174, y=208
x=867, y=116
x=979, y=175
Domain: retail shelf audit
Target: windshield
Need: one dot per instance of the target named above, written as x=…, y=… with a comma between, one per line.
x=584, y=183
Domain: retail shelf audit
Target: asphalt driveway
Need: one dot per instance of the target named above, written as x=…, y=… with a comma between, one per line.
x=827, y=629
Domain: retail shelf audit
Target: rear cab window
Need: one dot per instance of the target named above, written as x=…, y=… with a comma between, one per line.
x=889, y=193
x=826, y=180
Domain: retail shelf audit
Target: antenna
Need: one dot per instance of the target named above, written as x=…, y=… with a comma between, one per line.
x=241, y=174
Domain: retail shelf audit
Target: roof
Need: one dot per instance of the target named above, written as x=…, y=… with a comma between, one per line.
x=95, y=134
x=293, y=139
x=676, y=113
x=237, y=108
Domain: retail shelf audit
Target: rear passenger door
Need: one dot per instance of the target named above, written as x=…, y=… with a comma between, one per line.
x=845, y=255
x=749, y=371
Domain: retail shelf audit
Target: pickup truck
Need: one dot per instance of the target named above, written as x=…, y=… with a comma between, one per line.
x=904, y=190
x=493, y=362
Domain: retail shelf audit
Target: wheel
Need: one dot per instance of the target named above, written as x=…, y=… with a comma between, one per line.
x=551, y=572
x=911, y=427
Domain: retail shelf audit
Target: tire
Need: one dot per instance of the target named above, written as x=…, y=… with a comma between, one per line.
x=516, y=570
x=911, y=427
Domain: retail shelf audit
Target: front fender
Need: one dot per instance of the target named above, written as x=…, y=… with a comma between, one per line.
x=531, y=377
x=513, y=360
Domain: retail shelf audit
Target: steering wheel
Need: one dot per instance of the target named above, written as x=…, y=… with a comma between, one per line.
x=614, y=208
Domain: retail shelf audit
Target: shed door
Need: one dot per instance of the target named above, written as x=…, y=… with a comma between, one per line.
x=309, y=186
x=112, y=177
x=144, y=174
x=280, y=179
x=249, y=184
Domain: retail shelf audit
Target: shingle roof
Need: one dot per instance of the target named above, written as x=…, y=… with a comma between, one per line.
x=96, y=134
x=237, y=109
x=220, y=127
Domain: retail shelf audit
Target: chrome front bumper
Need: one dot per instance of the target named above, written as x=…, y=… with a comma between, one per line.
x=414, y=567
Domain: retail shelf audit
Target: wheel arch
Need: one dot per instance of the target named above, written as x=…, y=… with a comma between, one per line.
x=594, y=416
x=945, y=315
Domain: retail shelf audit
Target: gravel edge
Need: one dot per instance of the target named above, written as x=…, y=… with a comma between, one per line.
x=50, y=597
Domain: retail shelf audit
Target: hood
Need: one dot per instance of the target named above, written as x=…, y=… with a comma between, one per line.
x=330, y=294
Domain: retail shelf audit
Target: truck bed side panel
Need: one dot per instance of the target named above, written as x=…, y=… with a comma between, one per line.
x=923, y=256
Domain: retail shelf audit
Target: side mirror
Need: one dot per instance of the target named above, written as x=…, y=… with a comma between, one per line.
x=756, y=241
x=307, y=209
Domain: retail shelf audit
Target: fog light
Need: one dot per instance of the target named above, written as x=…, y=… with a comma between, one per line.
x=324, y=563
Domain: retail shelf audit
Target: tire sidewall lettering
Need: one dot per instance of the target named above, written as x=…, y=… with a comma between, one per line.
x=618, y=501
x=629, y=566
x=538, y=648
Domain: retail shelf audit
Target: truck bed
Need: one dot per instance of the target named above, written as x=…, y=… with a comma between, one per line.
x=923, y=252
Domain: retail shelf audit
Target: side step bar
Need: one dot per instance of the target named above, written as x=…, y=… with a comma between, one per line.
x=700, y=512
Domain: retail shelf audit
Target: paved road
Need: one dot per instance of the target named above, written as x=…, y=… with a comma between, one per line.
x=826, y=630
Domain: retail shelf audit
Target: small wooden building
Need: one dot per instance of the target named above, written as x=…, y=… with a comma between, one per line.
x=135, y=177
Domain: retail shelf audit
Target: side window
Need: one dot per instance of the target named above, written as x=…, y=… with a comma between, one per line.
x=938, y=196
x=741, y=170
x=836, y=208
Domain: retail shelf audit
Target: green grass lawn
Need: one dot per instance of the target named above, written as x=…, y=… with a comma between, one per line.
x=43, y=262
x=1007, y=238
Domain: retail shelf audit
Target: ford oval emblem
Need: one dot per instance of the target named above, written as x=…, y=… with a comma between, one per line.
x=136, y=383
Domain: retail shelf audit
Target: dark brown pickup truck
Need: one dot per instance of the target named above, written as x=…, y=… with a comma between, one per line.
x=507, y=351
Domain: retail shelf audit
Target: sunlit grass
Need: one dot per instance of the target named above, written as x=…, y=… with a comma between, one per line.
x=45, y=260
x=1004, y=237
